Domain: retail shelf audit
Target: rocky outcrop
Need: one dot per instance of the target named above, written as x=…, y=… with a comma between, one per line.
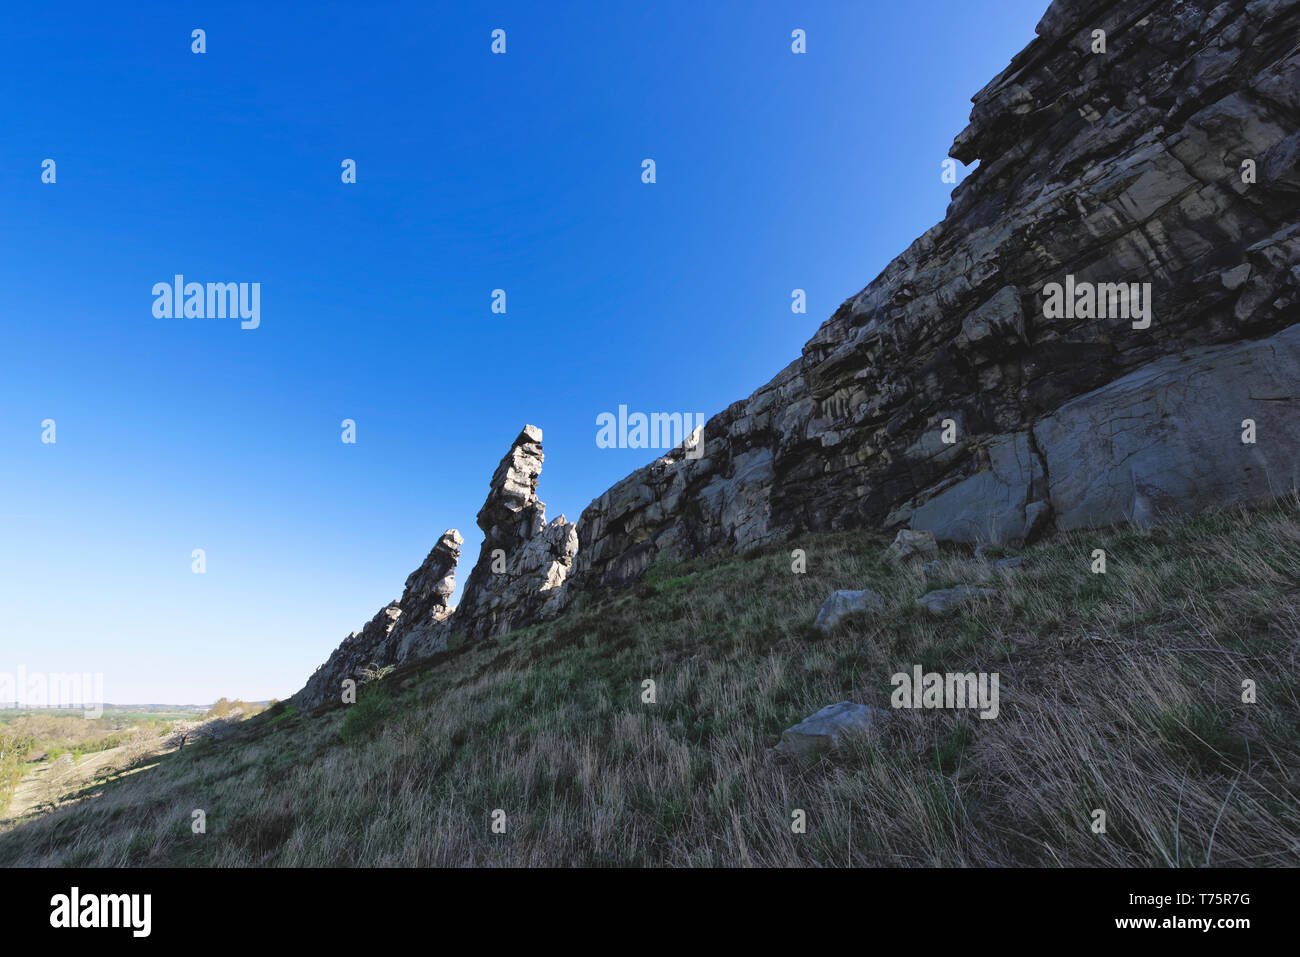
x=951, y=395
x=426, y=600
x=360, y=652
x=1170, y=436
x=523, y=561
x=1004, y=500
x=1103, y=328
x=411, y=627
x=517, y=579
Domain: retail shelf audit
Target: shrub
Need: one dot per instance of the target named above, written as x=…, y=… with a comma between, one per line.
x=15, y=747
x=364, y=718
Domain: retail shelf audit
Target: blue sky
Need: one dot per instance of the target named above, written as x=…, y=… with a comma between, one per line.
x=475, y=171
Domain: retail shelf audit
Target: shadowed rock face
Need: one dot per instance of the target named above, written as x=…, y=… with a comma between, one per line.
x=409, y=628
x=1163, y=428
x=1116, y=167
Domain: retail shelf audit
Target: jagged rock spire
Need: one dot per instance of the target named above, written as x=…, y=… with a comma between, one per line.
x=518, y=578
x=512, y=512
x=426, y=599
x=523, y=562
x=399, y=630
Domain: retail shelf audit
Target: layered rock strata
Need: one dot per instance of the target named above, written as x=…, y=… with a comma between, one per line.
x=954, y=395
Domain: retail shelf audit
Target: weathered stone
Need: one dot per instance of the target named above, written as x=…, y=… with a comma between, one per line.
x=425, y=600
x=1117, y=169
x=1166, y=440
x=401, y=630
x=990, y=506
x=947, y=600
x=1234, y=278
x=1000, y=319
x=360, y=651
x=911, y=546
x=524, y=561
x=518, y=579
x=844, y=602
x=824, y=731
x=1280, y=165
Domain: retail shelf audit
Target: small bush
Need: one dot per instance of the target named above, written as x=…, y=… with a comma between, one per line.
x=282, y=712
x=15, y=747
x=364, y=718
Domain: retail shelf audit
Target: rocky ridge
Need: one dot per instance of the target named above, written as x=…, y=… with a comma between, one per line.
x=411, y=627
x=1128, y=166
x=518, y=578
x=951, y=396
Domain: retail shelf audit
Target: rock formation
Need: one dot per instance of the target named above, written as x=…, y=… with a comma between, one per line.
x=518, y=577
x=523, y=561
x=425, y=601
x=409, y=628
x=1169, y=160
x=1103, y=328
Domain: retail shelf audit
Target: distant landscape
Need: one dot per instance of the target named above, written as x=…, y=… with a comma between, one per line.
x=49, y=756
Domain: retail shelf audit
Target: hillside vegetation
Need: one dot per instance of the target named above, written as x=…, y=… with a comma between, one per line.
x=52, y=757
x=31, y=738
x=1120, y=692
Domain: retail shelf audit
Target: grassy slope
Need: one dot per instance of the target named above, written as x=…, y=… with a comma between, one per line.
x=1119, y=691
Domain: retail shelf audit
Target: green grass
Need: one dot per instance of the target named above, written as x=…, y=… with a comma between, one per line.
x=368, y=715
x=1119, y=692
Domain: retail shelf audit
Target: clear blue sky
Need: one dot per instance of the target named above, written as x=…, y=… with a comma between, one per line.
x=475, y=172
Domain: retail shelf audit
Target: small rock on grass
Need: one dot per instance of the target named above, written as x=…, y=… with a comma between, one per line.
x=946, y=600
x=824, y=731
x=843, y=603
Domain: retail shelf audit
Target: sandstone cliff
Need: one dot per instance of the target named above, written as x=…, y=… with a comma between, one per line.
x=1116, y=167
x=950, y=395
